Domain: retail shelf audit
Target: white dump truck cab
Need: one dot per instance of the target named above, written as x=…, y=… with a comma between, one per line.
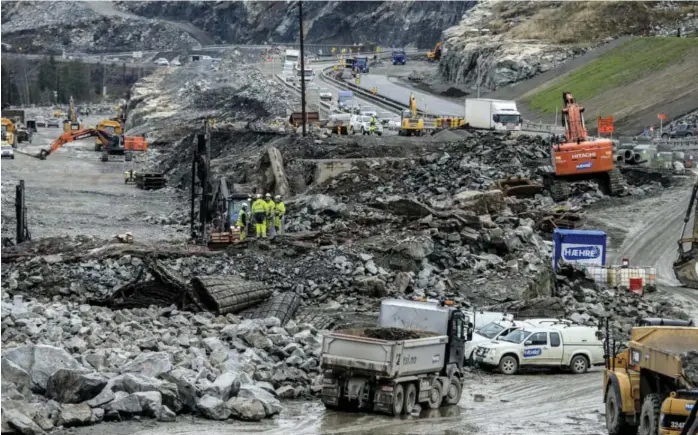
x=415, y=355
x=562, y=345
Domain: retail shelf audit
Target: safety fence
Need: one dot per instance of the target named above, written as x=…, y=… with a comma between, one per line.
x=632, y=279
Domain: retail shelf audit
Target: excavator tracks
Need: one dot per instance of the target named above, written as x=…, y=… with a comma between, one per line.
x=616, y=182
x=611, y=183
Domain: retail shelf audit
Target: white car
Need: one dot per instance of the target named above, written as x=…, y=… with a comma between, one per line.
x=41, y=121
x=325, y=94
x=569, y=346
x=6, y=151
x=176, y=62
x=369, y=111
x=362, y=124
x=491, y=331
x=162, y=62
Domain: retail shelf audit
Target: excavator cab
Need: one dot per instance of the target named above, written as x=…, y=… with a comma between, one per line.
x=686, y=266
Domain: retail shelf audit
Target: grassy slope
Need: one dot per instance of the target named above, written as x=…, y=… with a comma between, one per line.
x=643, y=74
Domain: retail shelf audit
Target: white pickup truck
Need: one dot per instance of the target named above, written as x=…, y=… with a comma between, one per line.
x=362, y=124
x=563, y=345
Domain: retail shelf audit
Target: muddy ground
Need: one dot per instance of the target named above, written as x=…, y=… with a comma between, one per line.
x=73, y=193
x=530, y=404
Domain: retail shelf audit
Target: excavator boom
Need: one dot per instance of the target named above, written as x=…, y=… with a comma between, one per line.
x=72, y=136
x=686, y=266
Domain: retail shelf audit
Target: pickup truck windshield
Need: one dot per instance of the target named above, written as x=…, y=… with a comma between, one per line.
x=517, y=336
x=490, y=330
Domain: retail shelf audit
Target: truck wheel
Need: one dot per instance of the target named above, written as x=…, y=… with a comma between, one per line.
x=410, y=399
x=649, y=416
x=455, y=389
x=615, y=419
x=508, y=365
x=398, y=399
x=435, y=396
x=579, y=364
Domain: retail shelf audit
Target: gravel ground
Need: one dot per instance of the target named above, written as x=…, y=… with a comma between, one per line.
x=72, y=193
x=523, y=403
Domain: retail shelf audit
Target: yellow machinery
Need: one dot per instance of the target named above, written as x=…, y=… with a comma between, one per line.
x=686, y=267
x=651, y=387
x=435, y=54
x=109, y=125
x=9, y=132
x=71, y=123
x=410, y=124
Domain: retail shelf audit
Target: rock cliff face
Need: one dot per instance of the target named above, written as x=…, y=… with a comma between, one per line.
x=514, y=41
x=126, y=25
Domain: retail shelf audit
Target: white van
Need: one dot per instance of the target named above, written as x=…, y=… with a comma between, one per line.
x=569, y=346
x=491, y=331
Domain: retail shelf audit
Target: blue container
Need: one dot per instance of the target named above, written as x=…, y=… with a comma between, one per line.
x=579, y=246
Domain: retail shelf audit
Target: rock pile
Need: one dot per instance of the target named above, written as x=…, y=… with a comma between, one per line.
x=67, y=364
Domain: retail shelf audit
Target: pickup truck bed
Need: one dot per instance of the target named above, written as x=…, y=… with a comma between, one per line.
x=403, y=353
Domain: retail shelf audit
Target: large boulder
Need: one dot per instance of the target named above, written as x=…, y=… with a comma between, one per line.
x=226, y=386
x=150, y=364
x=246, y=409
x=272, y=406
x=134, y=383
x=213, y=408
x=74, y=386
x=41, y=361
x=185, y=382
x=76, y=415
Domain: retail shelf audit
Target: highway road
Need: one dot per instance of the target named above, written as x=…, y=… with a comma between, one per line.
x=429, y=103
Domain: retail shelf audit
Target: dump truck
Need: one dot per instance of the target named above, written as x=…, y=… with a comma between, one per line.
x=415, y=355
x=652, y=386
x=686, y=267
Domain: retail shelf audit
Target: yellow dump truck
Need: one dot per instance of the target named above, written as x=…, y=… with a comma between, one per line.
x=652, y=386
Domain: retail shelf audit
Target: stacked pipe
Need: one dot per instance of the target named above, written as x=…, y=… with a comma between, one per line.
x=628, y=157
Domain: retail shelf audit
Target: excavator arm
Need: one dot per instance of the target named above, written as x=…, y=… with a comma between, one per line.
x=686, y=267
x=573, y=119
x=72, y=136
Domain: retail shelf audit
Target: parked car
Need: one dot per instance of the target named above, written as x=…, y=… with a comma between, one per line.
x=574, y=347
x=681, y=130
x=162, y=62
x=362, y=124
x=325, y=94
x=53, y=122
x=6, y=151
x=41, y=121
x=176, y=62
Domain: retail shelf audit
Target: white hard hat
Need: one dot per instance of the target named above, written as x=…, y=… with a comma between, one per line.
x=277, y=197
x=259, y=195
x=268, y=195
x=244, y=205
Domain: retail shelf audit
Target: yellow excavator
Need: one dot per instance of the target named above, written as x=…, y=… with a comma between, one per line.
x=71, y=123
x=686, y=267
x=652, y=386
x=410, y=124
x=435, y=54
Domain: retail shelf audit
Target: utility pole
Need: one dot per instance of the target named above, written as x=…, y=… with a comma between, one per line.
x=300, y=21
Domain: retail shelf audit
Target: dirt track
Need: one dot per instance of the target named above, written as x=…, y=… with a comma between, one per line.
x=73, y=193
x=649, y=230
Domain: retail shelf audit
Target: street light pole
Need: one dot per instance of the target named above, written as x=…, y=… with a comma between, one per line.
x=300, y=22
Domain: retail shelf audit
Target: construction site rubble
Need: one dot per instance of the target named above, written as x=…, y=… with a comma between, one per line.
x=74, y=364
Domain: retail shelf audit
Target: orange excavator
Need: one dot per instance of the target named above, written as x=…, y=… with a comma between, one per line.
x=575, y=157
x=114, y=144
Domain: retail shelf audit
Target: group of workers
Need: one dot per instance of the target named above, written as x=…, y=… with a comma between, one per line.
x=267, y=214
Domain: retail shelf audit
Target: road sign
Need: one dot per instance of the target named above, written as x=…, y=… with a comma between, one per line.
x=605, y=125
x=661, y=116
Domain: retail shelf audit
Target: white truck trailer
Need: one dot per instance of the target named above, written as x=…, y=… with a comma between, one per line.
x=488, y=114
x=415, y=355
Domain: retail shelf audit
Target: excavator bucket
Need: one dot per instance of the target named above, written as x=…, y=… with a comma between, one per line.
x=686, y=267
x=686, y=271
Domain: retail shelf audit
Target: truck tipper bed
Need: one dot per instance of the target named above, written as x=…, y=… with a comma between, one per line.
x=415, y=355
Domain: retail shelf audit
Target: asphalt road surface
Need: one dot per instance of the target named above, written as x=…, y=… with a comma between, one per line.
x=73, y=193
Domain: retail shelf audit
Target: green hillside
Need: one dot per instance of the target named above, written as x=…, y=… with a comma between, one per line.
x=627, y=63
